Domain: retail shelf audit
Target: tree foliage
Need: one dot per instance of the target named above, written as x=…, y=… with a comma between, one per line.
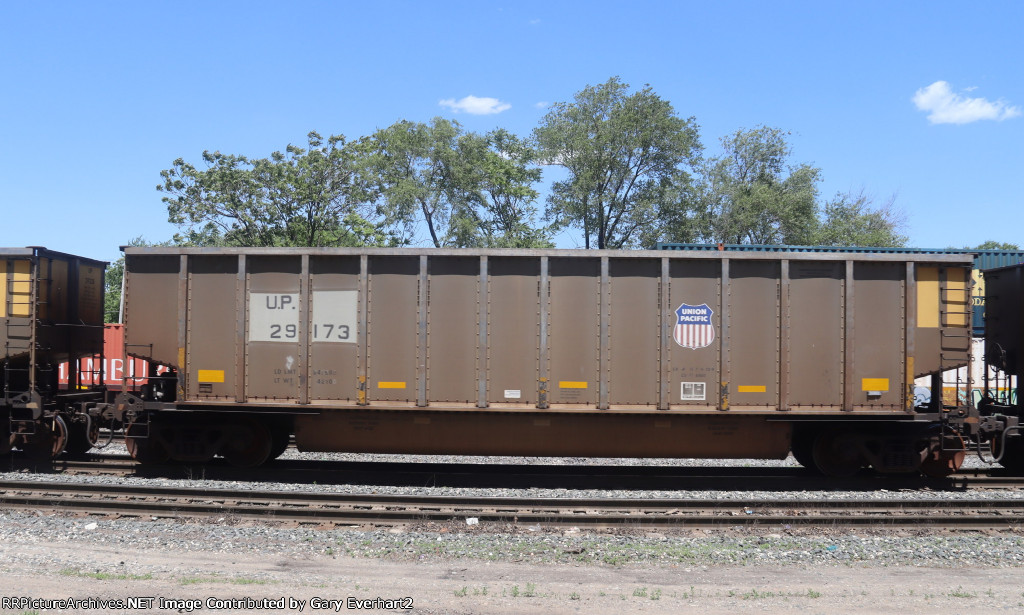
x=624, y=154
x=851, y=220
x=751, y=194
x=468, y=190
x=419, y=174
x=302, y=197
x=629, y=174
x=995, y=245
x=502, y=194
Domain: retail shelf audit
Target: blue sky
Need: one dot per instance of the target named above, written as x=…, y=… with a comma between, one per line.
x=98, y=97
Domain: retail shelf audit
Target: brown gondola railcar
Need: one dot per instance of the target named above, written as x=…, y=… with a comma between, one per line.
x=553, y=352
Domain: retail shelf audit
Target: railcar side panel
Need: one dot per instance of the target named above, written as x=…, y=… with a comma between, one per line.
x=334, y=351
x=635, y=337
x=814, y=324
x=274, y=341
x=695, y=350
x=453, y=350
x=513, y=306
x=212, y=343
x=753, y=304
x=560, y=330
x=574, y=304
x=394, y=329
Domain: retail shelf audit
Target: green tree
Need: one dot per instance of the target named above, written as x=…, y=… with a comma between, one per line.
x=752, y=194
x=112, y=291
x=421, y=176
x=995, y=245
x=303, y=197
x=852, y=220
x=466, y=189
x=625, y=154
x=503, y=214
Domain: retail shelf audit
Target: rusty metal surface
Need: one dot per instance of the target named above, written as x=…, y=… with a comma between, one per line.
x=543, y=433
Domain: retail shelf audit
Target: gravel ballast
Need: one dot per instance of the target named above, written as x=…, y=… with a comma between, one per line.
x=715, y=571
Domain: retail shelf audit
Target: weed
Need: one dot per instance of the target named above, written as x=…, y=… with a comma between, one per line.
x=247, y=581
x=574, y=596
x=214, y=579
x=106, y=576
x=640, y=592
x=461, y=593
x=656, y=594
x=960, y=592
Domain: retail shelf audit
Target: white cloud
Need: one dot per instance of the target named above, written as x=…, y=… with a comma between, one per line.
x=542, y=104
x=475, y=105
x=947, y=107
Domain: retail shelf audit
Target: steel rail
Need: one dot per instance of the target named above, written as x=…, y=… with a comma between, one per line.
x=687, y=477
x=368, y=509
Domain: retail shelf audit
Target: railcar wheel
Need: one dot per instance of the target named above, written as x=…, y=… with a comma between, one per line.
x=48, y=441
x=802, y=448
x=7, y=439
x=248, y=444
x=279, y=438
x=82, y=436
x=146, y=450
x=837, y=453
x=944, y=457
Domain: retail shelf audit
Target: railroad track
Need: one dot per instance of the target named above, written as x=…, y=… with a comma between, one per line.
x=325, y=509
x=523, y=476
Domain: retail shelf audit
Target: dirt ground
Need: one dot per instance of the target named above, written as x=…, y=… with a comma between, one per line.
x=207, y=582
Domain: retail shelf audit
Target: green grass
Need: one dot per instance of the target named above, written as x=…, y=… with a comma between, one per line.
x=215, y=579
x=106, y=576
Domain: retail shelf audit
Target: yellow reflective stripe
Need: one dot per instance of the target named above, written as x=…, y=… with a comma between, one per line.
x=747, y=388
x=874, y=384
x=390, y=385
x=572, y=384
x=211, y=375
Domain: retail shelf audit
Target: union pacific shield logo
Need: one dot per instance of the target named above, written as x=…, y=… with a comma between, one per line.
x=693, y=326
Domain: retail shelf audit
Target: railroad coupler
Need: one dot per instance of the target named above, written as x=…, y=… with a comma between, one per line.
x=27, y=406
x=127, y=408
